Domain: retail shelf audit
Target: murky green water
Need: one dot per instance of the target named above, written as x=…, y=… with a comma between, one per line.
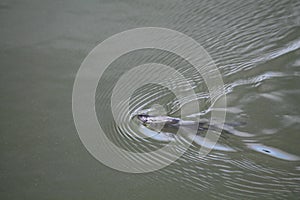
x=255, y=45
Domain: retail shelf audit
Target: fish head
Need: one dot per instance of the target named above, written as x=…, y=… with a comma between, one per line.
x=143, y=118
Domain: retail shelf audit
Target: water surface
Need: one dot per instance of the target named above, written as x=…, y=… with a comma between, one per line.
x=255, y=45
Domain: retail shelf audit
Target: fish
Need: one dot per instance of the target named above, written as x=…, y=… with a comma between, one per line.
x=172, y=124
x=165, y=128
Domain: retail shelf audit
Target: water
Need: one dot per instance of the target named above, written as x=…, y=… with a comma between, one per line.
x=255, y=45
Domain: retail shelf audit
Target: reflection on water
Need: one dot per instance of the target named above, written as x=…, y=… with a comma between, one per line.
x=273, y=152
x=256, y=46
x=258, y=59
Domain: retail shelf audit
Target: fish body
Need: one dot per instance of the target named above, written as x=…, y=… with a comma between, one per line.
x=171, y=124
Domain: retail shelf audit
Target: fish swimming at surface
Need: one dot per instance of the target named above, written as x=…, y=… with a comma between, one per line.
x=161, y=123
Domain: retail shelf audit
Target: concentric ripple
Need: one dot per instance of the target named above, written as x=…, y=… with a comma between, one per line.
x=256, y=47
